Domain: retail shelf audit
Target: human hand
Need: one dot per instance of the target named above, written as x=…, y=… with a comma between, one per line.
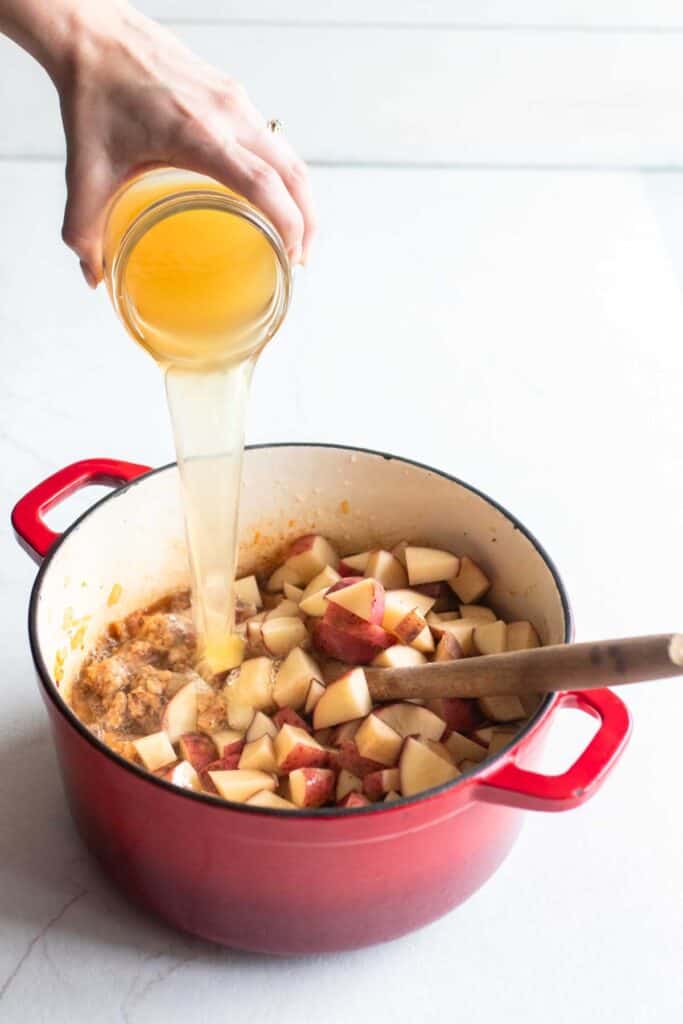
x=133, y=97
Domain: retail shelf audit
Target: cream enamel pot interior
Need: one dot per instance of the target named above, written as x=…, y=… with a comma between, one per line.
x=246, y=878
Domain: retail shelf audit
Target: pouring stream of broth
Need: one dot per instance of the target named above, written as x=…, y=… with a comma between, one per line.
x=201, y=281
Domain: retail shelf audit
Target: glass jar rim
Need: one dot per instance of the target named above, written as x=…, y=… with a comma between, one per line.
x=183, y=201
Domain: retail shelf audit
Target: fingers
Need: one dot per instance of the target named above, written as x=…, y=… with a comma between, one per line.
x=88, y=192
x=257, y=180
x=276, y=150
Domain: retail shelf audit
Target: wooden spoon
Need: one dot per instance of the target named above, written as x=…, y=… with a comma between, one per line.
x=541, y=670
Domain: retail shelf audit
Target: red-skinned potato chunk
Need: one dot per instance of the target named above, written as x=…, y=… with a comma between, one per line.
x=238, y=785
x=198, y=749
x=462, y=748
x=377, y=784
x=521, y=636
x=412, y=720
x=281, y=635
x=398, y=656
x=311, y=787
x=155, y=751
x=435, y=619
x=314, y=606
x=399, y=604
x=409, y=628
x=325, y=579
x=386, y=569
x=458, y=714
x=253, y=686
x=184, y=775
x=259, y=754
x=292, y=593
x=347, y=783
x=293, y=679
x=448, y=648
x=500, y=738
x=502, y=709
x=283, y=610
x=261, y=725
x=264, y=798
x=315, y=692
x=353, y=643
x=343, y=701
x=471, y=582
x=422, y=769
x=283, y=574
x=295, y=748
x=477, y=611
x=314, y=598
x=247, y=591
x=462, y=630
x=377, y=741
x=288, y=716
x=490, y=637
x=354, y=565
x=180, y=715
x=347, y=756
x=308, y=556
x=346, y=731
x=363, y=598
x=441, y=594
x=354, y=800
x=438, y=748
x=430, y=565
x=424, y=642
x=227, y=763
x=412, y=597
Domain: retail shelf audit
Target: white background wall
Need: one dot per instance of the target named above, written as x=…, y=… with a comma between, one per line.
x=497, y=286
x=426, y=83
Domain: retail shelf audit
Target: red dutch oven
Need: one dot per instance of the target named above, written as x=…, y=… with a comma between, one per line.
x=269, y=880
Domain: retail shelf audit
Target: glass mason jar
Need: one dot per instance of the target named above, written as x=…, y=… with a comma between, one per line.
x=198, y=275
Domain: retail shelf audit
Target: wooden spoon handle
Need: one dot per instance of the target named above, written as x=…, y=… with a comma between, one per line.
x=585, y=666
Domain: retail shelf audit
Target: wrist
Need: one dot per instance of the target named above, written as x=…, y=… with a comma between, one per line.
x=61, y=35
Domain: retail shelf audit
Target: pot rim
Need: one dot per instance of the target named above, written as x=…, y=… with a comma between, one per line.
x=322, y=813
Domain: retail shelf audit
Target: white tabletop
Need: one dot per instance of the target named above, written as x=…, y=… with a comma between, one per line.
x=521, y=329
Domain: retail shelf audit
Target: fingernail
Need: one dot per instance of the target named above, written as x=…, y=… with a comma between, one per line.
x=90, y=278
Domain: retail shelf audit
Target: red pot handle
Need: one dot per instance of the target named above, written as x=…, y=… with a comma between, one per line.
x=31, y=530
x=516, y=787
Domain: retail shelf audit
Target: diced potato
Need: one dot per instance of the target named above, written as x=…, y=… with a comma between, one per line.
x=430, y=565
x=521, y=636
x=259, y=754
x=247, y=591
x=471, y=582
x=378, y=741
x=502, y=709
x=490, y=637
x=155, y=751
x=477, y=611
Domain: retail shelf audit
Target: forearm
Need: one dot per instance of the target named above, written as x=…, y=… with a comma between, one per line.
x=132, y=96
x=52, y=30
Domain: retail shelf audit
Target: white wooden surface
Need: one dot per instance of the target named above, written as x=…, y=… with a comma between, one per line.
x=521, y=329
